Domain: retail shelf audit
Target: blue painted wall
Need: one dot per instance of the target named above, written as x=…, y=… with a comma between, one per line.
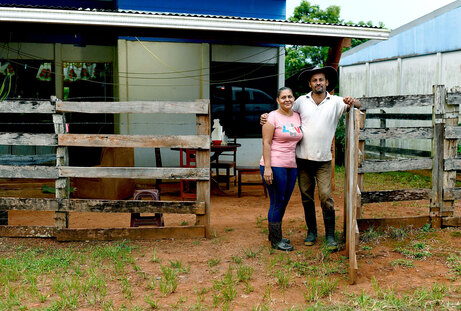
x=440, y=34
x=94, y=4
x=270, y=9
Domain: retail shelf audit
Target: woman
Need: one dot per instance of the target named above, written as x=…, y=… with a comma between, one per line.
x=281, y=133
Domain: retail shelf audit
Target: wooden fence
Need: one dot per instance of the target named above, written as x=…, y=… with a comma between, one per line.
x=62, y=204
x=443, y=164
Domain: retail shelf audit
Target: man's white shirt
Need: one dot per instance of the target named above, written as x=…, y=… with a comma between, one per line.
x=318, y=123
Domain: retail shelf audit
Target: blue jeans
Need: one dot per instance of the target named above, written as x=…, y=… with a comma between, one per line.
x=279, y=191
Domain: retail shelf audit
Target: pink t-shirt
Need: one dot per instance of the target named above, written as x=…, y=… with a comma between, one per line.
x=286, y=135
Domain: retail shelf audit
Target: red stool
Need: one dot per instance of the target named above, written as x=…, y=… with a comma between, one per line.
x=187, y=186
x=136, y=218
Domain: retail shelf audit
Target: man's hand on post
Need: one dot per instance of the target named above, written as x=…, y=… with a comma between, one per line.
x=351, y=101
x=263, y=118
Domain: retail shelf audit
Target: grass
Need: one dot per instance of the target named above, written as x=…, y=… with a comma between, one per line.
x=150, y=276
x=86, y=276
x=213, y=262
x=402, y=263
x=168, y=282
x=395, y=180
x=454, y=263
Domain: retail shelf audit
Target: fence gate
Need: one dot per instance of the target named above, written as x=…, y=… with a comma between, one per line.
x=443, y=163
x=61, y=172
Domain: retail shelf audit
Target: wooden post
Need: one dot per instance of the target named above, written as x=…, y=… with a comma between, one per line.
x=203, y=161
x=61, y=219
x=352, y=191
x=360, y=117
x=438, y=121
x=450, y=151
x=382, y=142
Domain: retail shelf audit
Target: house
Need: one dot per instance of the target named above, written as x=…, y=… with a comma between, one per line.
x=418, y=55
x=100, y=50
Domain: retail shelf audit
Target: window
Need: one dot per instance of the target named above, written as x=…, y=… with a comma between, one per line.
x=91, y=82
x=240, y=93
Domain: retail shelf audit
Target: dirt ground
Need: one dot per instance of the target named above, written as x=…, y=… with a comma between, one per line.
x=238, y=228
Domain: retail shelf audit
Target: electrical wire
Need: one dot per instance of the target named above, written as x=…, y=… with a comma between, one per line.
x=263, y=63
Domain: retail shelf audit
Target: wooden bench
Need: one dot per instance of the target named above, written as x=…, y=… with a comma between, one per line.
x=248, y=170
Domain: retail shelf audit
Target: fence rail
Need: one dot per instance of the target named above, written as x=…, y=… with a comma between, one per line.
x=443, y=163
x=62, y=171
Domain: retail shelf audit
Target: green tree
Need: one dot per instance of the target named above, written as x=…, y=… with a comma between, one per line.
x=300, y=56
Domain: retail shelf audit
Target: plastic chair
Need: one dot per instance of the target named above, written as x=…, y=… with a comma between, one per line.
x=188, y=158
x=229, y=163
x=136, y=218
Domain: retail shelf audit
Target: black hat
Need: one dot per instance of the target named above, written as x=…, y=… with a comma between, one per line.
x=330, y=74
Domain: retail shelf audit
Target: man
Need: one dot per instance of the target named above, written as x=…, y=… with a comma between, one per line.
x=320, y=113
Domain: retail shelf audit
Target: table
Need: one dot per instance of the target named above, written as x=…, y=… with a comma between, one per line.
x=217, y=150
x=227, y=165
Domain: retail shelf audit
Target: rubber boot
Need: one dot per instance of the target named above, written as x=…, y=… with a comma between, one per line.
x=311, y=222
x=329, y=220
x=285, y=240
x=275, y=236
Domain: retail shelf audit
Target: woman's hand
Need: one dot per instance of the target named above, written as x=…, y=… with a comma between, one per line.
x=268, y=176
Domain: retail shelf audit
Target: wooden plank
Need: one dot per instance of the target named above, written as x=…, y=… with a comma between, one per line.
x=401, y=151
x=26, y=139
x=136, y=206
x=385, y=223
x=438, y=111
x=33, y=159
x=382, y=142
x=452, y=164
x=395, y=195
x=452, y=132
x=352, y=215
x=347, y=163
x=454, y=98
x=27, y=106
x=360, y=176
x=197, y=107
x=27, y=232
x=396, y=101
x=202, y=125
x=135, y=172
x=62, y=185
x=135, y=141
x=38, y=172
x=33, y=204
x=450, y=151
x=451, y=221
x=399, y=116
x=102, y=206
x=397, y=132
x=377, y=166
x=452, y=193
x=183, y=232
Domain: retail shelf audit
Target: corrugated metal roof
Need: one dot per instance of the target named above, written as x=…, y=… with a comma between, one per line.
x=180, y=15
x=158, y=24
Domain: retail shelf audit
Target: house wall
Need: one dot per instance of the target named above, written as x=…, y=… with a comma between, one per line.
x=402, y=76
x=177, y=71
x=163, y=71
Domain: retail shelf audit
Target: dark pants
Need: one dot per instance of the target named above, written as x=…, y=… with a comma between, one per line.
x=279, y=191
x=311, y=173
